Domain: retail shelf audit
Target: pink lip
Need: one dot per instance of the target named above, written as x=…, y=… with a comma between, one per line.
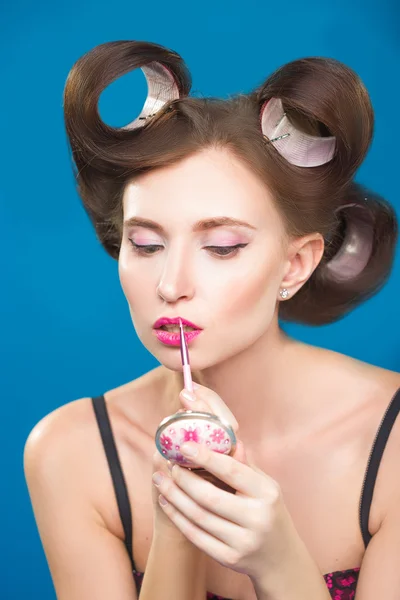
x=174, y=321
x=173, y=339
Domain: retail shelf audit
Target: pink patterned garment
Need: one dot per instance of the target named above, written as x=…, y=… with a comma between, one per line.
x=341, y=584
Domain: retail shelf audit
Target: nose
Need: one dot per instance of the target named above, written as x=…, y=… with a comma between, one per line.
x=176, y=281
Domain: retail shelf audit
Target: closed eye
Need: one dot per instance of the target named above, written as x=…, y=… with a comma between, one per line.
x=145, y=249
x=220, y=251
x=225, y=250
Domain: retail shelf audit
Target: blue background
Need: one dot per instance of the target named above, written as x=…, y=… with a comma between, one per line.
x=66, y=331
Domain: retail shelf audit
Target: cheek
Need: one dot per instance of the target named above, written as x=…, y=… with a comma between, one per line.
x=134, y=281
x=255, y=289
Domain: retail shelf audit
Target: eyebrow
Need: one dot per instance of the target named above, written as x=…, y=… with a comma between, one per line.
x=202, y=225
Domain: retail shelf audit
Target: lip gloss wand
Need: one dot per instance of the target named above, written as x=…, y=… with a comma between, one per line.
x=171, y=431
x=210, y=419
x=187, y=375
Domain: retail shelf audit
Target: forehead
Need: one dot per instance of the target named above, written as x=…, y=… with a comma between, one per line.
x=213, y=182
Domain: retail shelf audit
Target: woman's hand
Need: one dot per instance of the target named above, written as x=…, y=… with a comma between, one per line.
x=206, y=401
x=250, y=531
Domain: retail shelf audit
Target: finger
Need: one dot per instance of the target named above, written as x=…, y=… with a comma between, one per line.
x=207, y=400
x=235, y=509
x=191, y=402
x=240, y=452
x=254, y=484
x=241, y=456
x=199, y=538
x=161, y=464
x=204, y=514
x=217, y=404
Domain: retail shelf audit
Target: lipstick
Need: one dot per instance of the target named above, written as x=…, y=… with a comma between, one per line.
x=187, y=375
x=170, y=338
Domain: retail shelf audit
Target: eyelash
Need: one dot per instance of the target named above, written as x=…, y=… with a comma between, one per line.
x=233, y=250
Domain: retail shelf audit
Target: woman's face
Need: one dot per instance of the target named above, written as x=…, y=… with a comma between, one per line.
x=182, y=264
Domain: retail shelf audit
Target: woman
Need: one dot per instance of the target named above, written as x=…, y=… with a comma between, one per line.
x=229, y=214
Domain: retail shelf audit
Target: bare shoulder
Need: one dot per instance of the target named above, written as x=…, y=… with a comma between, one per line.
x=388, y=483
x=72, y=493
x=72, y=428
x=357, y=381
x=72, y=499
x=57, y=430
x=64, y=446
x=369, y=391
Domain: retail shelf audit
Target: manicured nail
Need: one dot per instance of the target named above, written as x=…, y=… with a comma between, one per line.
x=163, y=501
x=188, y=396
x=195, y=385
x=157, y=478
x=189, y=450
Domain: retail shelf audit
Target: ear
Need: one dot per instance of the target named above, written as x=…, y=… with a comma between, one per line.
x=303, y=257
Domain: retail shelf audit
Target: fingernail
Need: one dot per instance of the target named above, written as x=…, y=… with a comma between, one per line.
x=157, y=478
x=188, y=396
x=195, y=385
x=189, y=450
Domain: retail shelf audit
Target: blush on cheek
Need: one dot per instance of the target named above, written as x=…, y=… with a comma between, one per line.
x=258, y=290
x=138, y=284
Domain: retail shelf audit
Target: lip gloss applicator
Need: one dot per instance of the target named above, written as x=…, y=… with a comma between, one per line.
x=188, y=384
x=187, y=375
x=193, y=425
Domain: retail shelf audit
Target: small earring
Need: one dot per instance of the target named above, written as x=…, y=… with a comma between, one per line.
x=284, y=293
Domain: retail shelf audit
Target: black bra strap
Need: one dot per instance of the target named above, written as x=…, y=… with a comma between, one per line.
x=374, y=462
x=121, y=491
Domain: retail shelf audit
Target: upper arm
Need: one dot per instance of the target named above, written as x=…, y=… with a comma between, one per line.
x=86, y=560
x=380, y=570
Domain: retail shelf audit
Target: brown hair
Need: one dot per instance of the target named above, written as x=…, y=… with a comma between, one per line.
x=321, y=96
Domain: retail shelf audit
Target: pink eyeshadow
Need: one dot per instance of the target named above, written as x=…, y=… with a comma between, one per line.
x=142, y=240
x=226, y=241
